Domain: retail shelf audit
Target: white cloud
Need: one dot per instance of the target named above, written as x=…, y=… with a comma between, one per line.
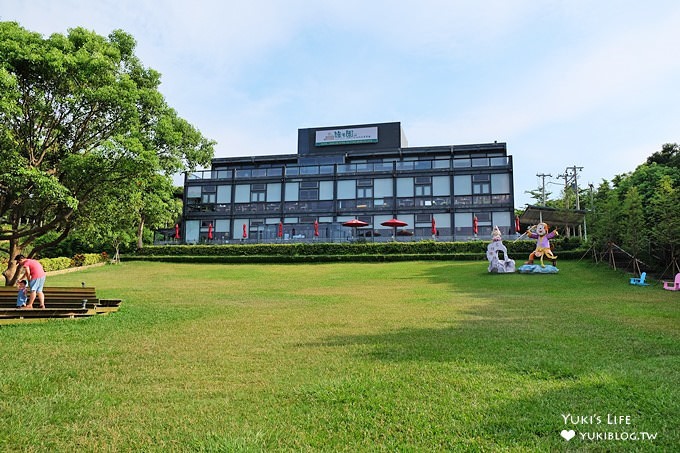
x=593, y=83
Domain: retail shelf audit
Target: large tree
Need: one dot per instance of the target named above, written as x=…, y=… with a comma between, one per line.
x=79, y=114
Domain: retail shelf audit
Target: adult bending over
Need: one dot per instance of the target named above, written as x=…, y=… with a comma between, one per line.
x=35, y=275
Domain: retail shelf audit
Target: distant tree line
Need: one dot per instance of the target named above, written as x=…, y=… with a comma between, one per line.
x=640, y=211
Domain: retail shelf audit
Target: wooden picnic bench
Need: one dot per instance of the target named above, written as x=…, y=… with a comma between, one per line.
x=60, y=302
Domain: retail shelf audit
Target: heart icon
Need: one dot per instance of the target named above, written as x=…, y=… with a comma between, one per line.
x=568, y=434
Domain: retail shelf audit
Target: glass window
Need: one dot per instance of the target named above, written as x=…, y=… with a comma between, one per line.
x=347, y=189
x=364, y=192
x=238, y=228
x=463, y=220
x=243, y=173
x=274, y=192
x=221, y=226
x=501, y=219
x=462, y=185
x=309, y=194
x=480, y=162
x=440, y=186
x=309, y=184
x=208, y=198
x=442, y=220
x=194, y=192
x=405, y=166
x=461, y=163
x=484, y=217
x=274, y=171
x=423, y=191
x=442, y=163
x=383, y=166
x=257, y=196
x=192, y=231
x=346, y=168
x=292, y=190
x=481, y=188
x=325, y=190
x=404, y=187
x=382, y=188
x=309, y=170
x=242, y=194
x=500, y=183
x=224, y=194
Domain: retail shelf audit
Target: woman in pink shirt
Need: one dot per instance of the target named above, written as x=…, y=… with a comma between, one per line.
x=36, y=279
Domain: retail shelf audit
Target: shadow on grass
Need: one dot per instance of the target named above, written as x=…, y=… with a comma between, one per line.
x=518, y=353
x=505, y=384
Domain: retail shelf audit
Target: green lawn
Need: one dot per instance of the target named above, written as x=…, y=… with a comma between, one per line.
x=413, y=356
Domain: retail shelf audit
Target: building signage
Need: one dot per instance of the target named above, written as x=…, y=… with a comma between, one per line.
x=347, y=136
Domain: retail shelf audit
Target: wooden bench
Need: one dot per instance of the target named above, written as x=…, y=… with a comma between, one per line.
x=22, y=313
x=60, y=302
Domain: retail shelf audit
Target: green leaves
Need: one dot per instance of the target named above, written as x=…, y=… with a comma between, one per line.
x=80, y=118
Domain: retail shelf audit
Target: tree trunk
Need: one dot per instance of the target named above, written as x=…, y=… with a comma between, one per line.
x=11, y=275
x=116, y=257
x=140, y=234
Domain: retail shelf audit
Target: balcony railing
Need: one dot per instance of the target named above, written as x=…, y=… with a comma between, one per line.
x=347, y=169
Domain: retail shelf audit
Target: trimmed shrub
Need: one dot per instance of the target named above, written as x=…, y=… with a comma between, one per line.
x=55, y=264
x=518, y=248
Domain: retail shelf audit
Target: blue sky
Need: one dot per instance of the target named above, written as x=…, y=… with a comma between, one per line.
x=588, y=83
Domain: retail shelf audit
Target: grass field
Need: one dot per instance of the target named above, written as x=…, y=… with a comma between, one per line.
x=413, y=356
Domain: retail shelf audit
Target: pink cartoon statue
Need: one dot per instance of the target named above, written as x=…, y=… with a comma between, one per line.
x=540, y=233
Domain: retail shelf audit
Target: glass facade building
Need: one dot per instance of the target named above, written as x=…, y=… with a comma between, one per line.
x=364, y=172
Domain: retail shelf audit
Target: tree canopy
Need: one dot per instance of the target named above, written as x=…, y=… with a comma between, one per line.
x=640, y=210
x=81, y=116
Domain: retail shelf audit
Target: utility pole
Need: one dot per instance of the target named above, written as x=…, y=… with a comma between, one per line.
x=543, y=176
x=571, y=179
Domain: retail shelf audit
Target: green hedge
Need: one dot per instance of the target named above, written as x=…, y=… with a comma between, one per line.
x=85, y=259
x=334, y=252
x=354, y=249
x=55, y=264
x=282, y=259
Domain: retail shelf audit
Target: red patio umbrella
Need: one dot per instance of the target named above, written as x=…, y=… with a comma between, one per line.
x=245, y=231
x=280, y=233
x=516, y=224
x=355, y=223
x=394, y=223
x=316, y=228
x=434, y=227
x=210, y=231
x=475, y=223
x=176, y=231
